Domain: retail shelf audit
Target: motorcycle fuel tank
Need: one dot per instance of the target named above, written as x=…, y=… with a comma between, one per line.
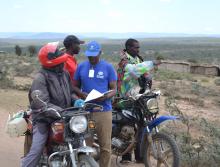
x=129, y=115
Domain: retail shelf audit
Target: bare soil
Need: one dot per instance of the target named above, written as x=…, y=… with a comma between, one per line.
x=11, y=149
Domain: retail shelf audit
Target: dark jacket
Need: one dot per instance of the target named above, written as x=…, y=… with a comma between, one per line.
x=56, y=90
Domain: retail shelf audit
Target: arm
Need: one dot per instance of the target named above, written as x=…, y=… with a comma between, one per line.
x=112, y=79
x=77, y=83
x=77, y=90
x=40, y=83
x=112, y=86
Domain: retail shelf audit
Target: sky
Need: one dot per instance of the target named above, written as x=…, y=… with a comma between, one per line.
x=115, y=16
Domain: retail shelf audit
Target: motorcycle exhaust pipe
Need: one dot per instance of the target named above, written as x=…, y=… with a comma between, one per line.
x=95, y=145
x=56, y=153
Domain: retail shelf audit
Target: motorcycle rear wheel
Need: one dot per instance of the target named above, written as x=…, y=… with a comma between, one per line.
x=167, y=153
x=87, y=161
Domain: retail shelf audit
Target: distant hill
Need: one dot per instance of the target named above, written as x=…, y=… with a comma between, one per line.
x=45, y=35
x=55, y=35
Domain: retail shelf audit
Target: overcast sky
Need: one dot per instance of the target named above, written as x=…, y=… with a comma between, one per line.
x=151, y=16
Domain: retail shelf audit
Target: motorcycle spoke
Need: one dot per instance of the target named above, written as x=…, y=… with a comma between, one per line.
x=165, y=163
x=83, y=165
x=159, y=148
x=167, y=153
x=163, y=154
x=158, y=163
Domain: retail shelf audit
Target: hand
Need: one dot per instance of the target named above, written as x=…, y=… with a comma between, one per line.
x=102, y=98
x=83, y=95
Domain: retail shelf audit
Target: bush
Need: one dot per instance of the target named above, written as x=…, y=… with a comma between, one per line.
x=5, y=80
x=202, y=91
x=204, y=80
x=18, y=50
x=24, y=70
x=196, y=151
x=164, y=75
x=217, y=82
x=192, y=60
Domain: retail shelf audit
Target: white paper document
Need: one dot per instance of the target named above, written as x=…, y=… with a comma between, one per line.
x=94, y=94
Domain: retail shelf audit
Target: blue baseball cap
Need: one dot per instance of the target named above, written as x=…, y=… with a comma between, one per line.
x=93, y=48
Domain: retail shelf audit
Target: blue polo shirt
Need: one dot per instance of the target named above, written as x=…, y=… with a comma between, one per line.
x=104, y=73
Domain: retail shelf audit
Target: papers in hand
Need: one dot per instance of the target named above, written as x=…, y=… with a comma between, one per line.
x=94, y=94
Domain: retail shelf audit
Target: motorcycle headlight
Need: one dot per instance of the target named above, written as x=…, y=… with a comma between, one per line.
x=78, y=124
x=152, y=105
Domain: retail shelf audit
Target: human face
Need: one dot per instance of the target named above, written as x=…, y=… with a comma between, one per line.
x=134, y=49
x=75, y=48
x=93, y=60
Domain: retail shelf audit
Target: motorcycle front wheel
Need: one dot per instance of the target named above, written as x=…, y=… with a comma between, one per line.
x=162, y=152
x=87, y=161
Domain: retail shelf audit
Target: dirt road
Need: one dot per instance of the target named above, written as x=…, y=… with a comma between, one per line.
x=11, y=149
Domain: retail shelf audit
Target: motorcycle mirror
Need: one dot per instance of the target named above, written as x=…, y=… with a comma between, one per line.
x=35, y=94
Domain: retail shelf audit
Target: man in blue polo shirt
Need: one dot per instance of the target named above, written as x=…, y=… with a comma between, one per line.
x=99, y=75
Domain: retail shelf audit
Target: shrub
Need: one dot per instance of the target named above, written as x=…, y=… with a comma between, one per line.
x=24, y=70
x=18, y=50
x=200, y=151
x=5, y=80
x=32, y=50
x=164, y=75
x=217, y=81
x=192, y=60
x=204, y=80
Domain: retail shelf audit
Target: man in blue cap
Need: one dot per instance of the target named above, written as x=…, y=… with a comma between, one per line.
x=99, y=75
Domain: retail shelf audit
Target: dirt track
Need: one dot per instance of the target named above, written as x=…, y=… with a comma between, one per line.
x=11, y=149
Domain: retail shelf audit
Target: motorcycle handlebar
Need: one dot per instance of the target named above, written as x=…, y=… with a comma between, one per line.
x=154, y=95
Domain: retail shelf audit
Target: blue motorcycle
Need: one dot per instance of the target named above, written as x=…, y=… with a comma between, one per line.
x=135, y=125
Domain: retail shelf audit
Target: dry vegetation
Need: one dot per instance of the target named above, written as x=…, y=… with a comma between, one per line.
x=194, y=98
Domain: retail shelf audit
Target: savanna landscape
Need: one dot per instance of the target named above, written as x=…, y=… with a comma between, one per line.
x=194, y=98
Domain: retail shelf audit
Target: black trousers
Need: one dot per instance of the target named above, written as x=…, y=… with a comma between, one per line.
x=137, y=155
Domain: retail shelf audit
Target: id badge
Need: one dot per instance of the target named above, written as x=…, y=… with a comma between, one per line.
x=91, y=73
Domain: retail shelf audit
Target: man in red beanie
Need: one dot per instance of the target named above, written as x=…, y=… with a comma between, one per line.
x=72, y=46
